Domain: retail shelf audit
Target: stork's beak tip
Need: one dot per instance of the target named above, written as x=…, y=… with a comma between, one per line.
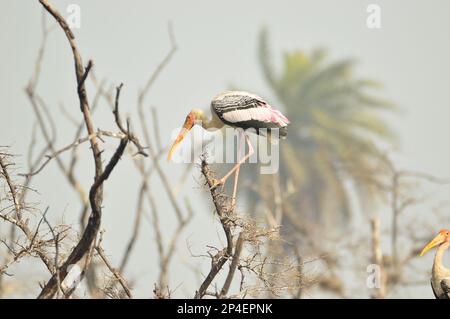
x=188, y=124
x=169, y=156
x=436, y=241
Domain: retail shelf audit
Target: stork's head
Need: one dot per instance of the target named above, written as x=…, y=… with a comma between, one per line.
x=194, y=117
x=442, y=237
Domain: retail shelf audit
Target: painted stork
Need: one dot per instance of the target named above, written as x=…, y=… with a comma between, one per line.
x=440, y=276
x=241, y=110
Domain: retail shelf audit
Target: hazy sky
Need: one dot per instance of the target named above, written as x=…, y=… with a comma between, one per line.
x=217, y=46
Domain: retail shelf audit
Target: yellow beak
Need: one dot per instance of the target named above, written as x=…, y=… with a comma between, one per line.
x=439, y=239
x=188, y=124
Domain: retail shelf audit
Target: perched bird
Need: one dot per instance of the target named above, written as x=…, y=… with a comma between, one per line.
x=237, y=109
x=440, y=276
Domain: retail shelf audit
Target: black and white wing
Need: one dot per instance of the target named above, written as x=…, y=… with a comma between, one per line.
x=445, y=284
x=247, y=110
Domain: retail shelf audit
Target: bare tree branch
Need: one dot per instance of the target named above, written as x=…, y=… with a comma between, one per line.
x=233, y=266
x=224, y=211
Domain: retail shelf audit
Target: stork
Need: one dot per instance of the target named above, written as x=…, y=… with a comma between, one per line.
x=240, y=110
x=440, y=276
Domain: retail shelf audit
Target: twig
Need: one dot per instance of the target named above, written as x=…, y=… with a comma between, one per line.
x=56, y=240
x=84, y=76
x=114, y=271
x=160, y=66
x=172, y=245
x=11, y=187
x=233, y=266
x=72, y=145
x=57, y=153
x=119, y=123
x=135, y=232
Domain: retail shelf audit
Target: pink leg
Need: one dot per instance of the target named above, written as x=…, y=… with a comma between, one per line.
x=236, y=175
x=241, y=161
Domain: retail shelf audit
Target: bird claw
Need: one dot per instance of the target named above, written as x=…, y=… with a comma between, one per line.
x=218, y=182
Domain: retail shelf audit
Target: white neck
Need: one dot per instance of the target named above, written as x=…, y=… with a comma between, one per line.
x=210, y=124
x=438, y=266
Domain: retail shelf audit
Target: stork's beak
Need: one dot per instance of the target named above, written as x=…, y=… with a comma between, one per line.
x=439, y=239
x=188, y=124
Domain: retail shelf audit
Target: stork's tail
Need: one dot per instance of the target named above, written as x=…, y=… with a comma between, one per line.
x=274, y=138
x=283, y=132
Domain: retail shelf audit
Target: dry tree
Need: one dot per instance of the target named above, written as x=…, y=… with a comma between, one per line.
x=84, y=249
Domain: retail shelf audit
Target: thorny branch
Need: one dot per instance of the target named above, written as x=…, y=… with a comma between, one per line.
x=224, y=211
x=36, y=245
x=96, y=192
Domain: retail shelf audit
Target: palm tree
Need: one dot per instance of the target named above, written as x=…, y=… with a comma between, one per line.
x=334, y=139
